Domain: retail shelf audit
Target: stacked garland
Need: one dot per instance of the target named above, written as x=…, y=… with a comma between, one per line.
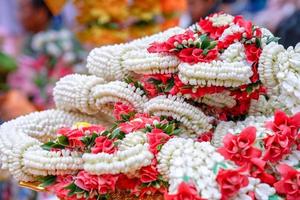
x=183, y=114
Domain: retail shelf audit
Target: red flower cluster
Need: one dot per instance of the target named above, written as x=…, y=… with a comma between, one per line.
x=75, y=135
x=194, y=55
x=230, y=182
x=103, y=145
x=239, y=148
x=207, y=26
x=122, y=109
x=169, y=45
x=185, y=192
x=285, y=133
x=289, y=184
x=139, y=122
x=103, y=183
x=157, y=138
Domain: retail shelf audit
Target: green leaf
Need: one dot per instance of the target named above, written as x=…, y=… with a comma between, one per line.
x=205, y=43
x=117, y=133
x=154, y=81
x=170, y=85
x=177, y=131
x=63, y=140
x=272, y=39
x=125, y=117
x=212, y=45
x=205, y=52
x=218, y=166
x=186, y=178
x=48, y=146
x=274, y=197
x=249, y=89
x=258, y=42
x=47, y=181
x=169, y=129
x=203, y=37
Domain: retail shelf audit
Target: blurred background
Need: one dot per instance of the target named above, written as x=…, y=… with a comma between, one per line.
x=43, y=40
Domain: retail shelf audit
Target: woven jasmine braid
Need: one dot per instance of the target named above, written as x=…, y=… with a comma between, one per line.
x=191, y=117
x=73, y=93
x=26, y=134
x=109, y=62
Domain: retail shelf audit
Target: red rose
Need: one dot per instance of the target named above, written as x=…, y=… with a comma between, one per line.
x=231, y=182
x=185, y=192
x=238, y=148
x=285, y=125
x=150, y=89
x=107, y=183
x=289, y=184
x=149, y=173
x=122, y=109
x=125, y=183
x=252, y=52
x=276, y=147
x=214, y=32
x=166, y=47
x=258, y=168
x=103, y=144
x=247, y=25
x=86, y=181
x=205, y=137
x=155, y=138
x=186, y=55
x=74, y=136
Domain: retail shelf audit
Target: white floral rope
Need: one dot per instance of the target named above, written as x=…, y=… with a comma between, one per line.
x=133, y=154
x=117, y=91
x=28, y=133
x=268, y=67
x=191, y=117
x=143, y=62
x=108, y=62
x=216, y=73
x=73, y=93
x=183, y=158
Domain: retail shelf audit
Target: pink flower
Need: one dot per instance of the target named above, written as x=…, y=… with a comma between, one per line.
x=185, y=192
x=289, y=184
x=125, y=183
x=103, y=144
x=122, y=109
x=195, y=55
x=139, y=122
x=59, y=187
x=238, y=148
x=166, y=47
x=213, y=32
x=107, y=183
x=252, y=52
x=86, y=181
x=149, y=173
x=155, y=138
x=74, y=136
x=231, y=182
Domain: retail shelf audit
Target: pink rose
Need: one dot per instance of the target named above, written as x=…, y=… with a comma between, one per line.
x=86, y=181
x=122, y=109
x=103, y=144
x=107, y=183
x=149, y=173
x=155, y=138
x=185, y=192
x=74, y=136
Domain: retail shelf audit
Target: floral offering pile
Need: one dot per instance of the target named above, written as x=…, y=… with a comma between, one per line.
x=134, y=157
x=182, y=114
